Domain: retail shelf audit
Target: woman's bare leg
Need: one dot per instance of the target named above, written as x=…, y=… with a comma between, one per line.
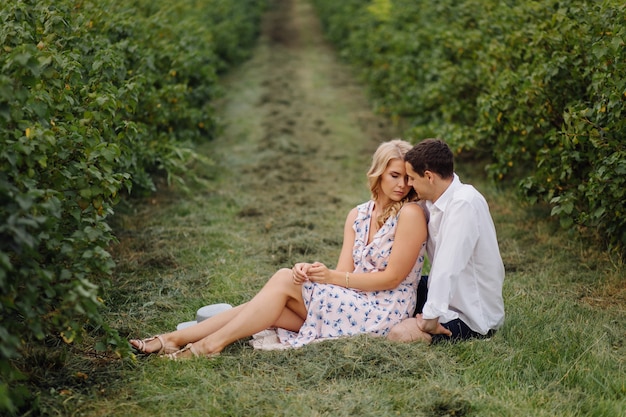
x=267, y=308
x=287, y=319
x=204, y=328
x=192, y=333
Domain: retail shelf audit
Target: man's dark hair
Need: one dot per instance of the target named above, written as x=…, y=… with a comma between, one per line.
x=431, y=155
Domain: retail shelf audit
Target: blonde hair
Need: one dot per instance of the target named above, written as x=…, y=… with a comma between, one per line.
x=393, y=149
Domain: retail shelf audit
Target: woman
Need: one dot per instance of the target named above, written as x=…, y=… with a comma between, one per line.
x=372, y=288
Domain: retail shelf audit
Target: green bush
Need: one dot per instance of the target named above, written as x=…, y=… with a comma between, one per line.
x=538, y=87
x=95, y=98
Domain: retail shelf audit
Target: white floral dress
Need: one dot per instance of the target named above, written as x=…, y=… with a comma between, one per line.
x=335, y=311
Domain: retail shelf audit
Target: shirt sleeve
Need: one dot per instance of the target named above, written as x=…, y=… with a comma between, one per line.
x=456, y=240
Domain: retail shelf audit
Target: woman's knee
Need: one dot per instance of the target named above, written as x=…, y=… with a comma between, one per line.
x=282, y=276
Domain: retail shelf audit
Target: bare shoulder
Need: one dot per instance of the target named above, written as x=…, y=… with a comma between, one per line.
x=352, y=215
x=412, y=209
x=412, y=213
x=412, y=220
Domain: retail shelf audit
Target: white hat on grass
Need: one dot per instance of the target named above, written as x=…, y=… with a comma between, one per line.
x=204, y=313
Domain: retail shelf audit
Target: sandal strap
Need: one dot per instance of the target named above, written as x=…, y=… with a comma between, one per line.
x=188, y=347
x=142, y=343
x=162, y=349
x=191, y=348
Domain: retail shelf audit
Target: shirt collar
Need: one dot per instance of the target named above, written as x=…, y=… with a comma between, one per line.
x=442, y=201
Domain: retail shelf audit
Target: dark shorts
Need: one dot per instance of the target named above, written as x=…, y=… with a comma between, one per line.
x=460, y=330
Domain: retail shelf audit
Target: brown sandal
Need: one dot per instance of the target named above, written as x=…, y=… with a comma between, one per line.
x=188, y=352
x=164, y=350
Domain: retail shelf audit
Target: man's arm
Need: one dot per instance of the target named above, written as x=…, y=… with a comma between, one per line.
x=458, y=235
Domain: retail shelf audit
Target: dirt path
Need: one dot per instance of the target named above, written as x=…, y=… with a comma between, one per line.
x=299, y=135
x=290, y=163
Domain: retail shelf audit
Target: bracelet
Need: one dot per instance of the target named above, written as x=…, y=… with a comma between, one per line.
x=347, y=279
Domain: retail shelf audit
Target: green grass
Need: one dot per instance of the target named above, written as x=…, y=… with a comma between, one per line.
x=267, y=202
x=560, y=353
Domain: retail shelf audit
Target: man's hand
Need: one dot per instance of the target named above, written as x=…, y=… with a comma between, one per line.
x=431, y=326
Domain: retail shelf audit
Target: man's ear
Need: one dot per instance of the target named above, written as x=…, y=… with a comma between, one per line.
x=429, y=175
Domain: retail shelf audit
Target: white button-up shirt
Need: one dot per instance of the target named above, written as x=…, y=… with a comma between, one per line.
x=466, y=274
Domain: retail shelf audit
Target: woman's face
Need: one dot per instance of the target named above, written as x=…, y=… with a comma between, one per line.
x=393, y=182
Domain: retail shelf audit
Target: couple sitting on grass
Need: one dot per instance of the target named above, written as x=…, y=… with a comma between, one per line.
x=418, y=206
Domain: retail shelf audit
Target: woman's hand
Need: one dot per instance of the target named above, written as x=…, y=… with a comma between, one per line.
x=318, y=272
x=299, y=272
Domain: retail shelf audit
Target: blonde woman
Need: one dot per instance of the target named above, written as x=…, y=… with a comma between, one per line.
x=372, y=288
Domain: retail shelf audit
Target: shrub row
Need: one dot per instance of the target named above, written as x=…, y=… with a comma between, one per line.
x=95, y=97
x=539, y=87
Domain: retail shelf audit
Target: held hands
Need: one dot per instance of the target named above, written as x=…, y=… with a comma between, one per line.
x=299, y=272
x=315, y=272
x=318, y=272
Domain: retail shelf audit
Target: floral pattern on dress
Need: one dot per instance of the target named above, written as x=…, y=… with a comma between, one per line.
x=334, y=311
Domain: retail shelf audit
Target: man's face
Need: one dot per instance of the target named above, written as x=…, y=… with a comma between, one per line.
x=422, y=185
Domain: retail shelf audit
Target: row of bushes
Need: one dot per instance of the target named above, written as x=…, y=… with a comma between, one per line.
x=95, y=98
x=539, y=87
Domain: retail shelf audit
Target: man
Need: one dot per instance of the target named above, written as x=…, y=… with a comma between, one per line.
x=465, y=282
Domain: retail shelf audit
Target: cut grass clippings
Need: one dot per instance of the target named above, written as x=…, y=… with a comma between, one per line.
x=289, y=166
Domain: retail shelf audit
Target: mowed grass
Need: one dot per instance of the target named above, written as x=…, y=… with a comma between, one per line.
x=561, y=352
